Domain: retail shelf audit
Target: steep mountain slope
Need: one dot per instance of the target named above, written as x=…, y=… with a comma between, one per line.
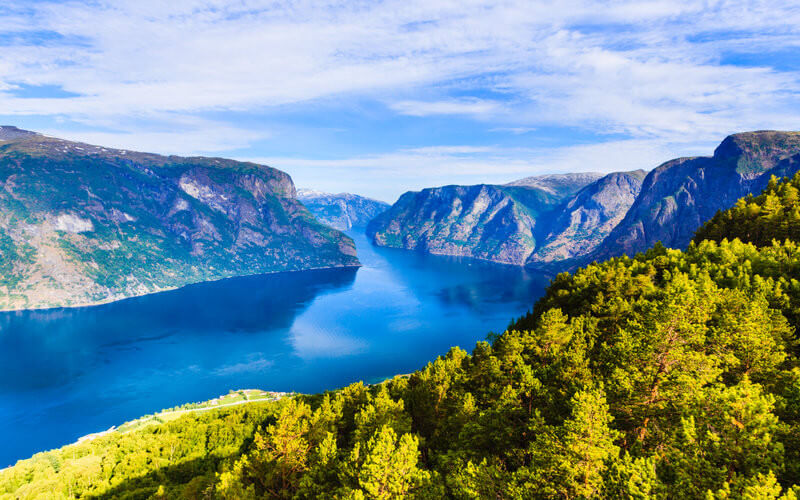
x=531, y=221
x=484, y=221
x=82, y=224
x=582, y=223
x=341, y=211
x=680, y=195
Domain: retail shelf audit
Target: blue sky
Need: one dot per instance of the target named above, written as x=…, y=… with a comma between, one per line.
x=380, y=97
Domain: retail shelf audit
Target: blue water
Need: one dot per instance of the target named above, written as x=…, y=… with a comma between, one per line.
x=65, y=373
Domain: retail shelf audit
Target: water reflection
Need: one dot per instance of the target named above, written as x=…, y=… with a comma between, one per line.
x=63, y=343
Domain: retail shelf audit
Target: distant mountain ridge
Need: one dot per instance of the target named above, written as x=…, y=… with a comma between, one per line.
x=341, y=211
x=569, y=219
x=680, y=195
x=558, y=184
x=583, y=222
x=83, y=224
x=516, y=223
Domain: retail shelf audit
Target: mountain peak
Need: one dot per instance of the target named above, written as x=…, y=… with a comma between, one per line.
x=767, y=147
x=12, y=133
x=558, y=184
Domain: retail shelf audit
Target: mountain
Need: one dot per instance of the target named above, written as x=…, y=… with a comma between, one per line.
x=342, y=211
x=558, y=184
x=582, y=223
x=573, y=218
x=532, y=221
x=484, y=221
x=83, y=224
x=680, y=195
x=774, y=215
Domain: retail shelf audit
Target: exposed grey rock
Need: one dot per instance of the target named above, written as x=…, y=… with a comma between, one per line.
x=558, y=184
x=583, y=222
x=342, y=211
x=82, y=224
x=679, y=196
x=505, y=224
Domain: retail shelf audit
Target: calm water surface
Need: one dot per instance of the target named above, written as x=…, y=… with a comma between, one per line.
x=65, y=373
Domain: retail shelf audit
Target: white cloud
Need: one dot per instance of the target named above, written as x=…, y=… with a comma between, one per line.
x=465, y=106
x=196, y=55
x=202, y=137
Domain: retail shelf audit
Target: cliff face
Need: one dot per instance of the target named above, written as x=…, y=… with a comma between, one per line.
x=680, y=195
x=483, y=221
x=342, y=211
x=582, y=223
x=525, y=222
x=82, y=224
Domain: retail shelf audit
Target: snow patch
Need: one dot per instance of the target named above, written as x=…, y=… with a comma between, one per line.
x=71, y=223
x=181, y=204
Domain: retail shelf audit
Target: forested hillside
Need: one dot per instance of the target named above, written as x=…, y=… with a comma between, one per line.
x=673, y=374
x=772, y=215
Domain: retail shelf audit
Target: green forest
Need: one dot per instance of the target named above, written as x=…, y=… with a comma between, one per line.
x=671, y=374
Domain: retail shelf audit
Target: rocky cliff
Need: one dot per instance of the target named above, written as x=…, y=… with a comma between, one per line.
x=578, y=226
x=535, y=220
x=341, y=211
x=679, y=196
x=82, y=224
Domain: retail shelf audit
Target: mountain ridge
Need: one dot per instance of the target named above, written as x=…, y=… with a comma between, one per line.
x=342, y=211
x=84, y=224
x=679, y=195
x=624, y=215
x=511, y=223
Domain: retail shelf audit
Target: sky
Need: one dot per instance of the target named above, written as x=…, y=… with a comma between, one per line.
x=380, y=97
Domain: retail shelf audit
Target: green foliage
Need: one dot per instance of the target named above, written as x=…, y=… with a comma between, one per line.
x=668, y=375
x=772, y=215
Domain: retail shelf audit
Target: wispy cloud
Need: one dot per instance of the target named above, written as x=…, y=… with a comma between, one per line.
x=465, y=106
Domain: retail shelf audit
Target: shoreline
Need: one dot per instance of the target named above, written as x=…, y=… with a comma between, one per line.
x=147, y=420
x=171, y=289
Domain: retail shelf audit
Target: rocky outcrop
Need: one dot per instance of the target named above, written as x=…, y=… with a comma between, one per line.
x=582, y=223
x=83, y=224
x=507, y=224
x=679, y=196
x=341, y=211
x=560, y=185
